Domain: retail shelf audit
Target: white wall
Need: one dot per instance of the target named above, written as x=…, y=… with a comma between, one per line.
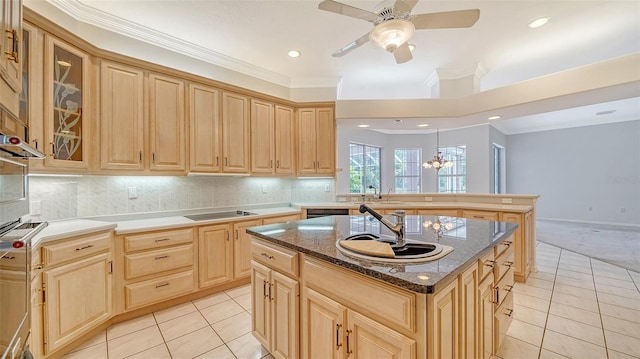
x=476, y=139
x=500, y=139
x=589, y=173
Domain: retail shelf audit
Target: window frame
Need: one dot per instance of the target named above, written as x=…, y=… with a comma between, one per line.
x=418, y=169
x=456, y=175
x=363, y=178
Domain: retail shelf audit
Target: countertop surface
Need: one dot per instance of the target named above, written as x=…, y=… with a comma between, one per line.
x=317, y=238
x=421, y=205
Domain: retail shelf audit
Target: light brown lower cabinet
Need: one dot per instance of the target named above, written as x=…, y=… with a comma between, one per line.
x=275, y=308
x=77, y=296
x=242, y=248
x=334, y=331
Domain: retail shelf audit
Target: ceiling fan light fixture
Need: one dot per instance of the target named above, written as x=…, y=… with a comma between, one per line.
x=390, y=34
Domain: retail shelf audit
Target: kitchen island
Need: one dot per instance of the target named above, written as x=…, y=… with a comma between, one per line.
x=312, y=300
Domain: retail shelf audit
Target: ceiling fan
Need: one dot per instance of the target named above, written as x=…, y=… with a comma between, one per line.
x=394, y=24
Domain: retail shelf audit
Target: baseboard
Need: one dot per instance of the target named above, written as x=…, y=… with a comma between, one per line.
x=613, y=224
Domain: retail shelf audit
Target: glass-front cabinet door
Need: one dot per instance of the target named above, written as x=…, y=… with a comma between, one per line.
x=66, y=99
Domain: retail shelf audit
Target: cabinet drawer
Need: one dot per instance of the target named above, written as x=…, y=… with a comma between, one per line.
x=504, y=287
x=502, y=320
x=15, y=260
x=485, y=215
x=141, y=264
x=54, y=254
x=438, y=212
x=503, y=246
x=154, y=290
x=281, y=219
x=384, y=303
x=157, y=239
x=504, y=262
x=275, y=257
x=486, y=264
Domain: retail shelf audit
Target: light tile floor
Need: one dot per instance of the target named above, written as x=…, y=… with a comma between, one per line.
x=573, y=307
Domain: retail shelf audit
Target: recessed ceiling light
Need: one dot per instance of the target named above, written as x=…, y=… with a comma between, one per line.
x=493, y=118
x=412, y=47
x=538, y=22
x=423, y=125
x=363, y=126
x=294, y=53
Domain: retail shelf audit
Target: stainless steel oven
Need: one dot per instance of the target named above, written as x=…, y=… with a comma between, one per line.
x=15, y=246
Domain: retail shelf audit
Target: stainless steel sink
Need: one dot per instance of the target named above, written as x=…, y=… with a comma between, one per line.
x=218, y=215
x=413, y=251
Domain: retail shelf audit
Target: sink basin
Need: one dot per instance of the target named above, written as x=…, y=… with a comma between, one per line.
x=413, y=251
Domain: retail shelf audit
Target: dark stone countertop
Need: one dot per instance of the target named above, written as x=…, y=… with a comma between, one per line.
x=317, y=238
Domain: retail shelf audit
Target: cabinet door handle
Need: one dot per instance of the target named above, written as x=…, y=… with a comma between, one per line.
x=15, y=42
x=264, y=288
x=35, y=143
x=349, y=351
x=270, y=297
x=277, y=163
x=338, y=344
x=153, y=157
x=217, y=161
x=226, y=161
x=497, y=295
x=162, y=240
x=227, y=235
x=53, y=149
x=237, y=234
x=140, y=156
x=161, y=257
x=85, y=247
x=162, y=285
x=270, y=163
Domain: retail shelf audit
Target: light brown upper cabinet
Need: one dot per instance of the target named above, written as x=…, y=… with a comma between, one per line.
x=123, y=120
x=316, y=141
x=205, y=136
x=121, y=117
x=235, y=133
x=66, y=106
x=11, y=54
x=166, y=123
x=272, y=138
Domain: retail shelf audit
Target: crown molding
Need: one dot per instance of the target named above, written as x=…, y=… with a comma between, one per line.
x=86, y=14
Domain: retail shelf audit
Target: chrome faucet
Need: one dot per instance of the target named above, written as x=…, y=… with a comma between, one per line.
x=375, y=192
x=397, y=229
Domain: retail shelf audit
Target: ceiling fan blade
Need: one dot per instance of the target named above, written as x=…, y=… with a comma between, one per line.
x=403, y=53
x=344, y=9
x=403, y=6
x=446, y=20
x=352, y=45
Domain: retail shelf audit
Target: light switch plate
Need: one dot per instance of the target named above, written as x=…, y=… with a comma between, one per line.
x=133, y=192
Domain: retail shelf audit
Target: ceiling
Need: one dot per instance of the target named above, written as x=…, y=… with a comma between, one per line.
x=254, y=36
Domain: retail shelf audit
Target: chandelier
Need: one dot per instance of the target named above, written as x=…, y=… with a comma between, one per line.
x=437, y=226
x=438, y=161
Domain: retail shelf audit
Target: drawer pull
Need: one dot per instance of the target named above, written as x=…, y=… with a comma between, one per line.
x=162, y=240
x=489, y=263
x=338, y=344
x=161, y=257
x=508, y=263
x=478, y=217
x=507, y=243
x=508, y=288
x=85, y=247
x=510, y=312
x=266, y=255
x=162, y=285
x=349, y=351
x=10, y=258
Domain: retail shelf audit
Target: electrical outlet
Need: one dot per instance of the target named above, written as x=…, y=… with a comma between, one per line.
x=623, y=210
x=264, y=188
x=428, y=199
x=507, y=200
x=36, y=208
x=133, y=192
x=327, y=188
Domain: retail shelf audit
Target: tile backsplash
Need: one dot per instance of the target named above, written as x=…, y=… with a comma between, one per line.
x=62, y=197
